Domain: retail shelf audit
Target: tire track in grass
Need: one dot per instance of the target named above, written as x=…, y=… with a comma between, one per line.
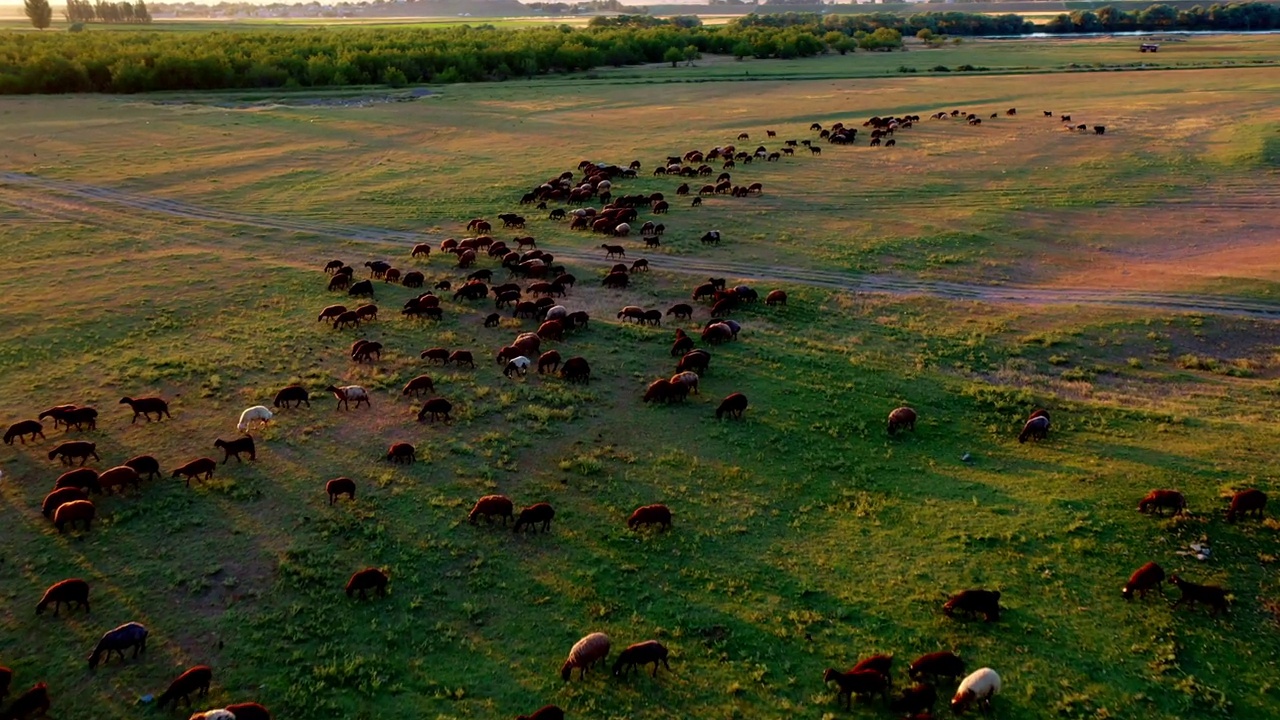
x=73, y=195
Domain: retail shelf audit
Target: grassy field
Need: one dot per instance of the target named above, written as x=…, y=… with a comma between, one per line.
x=804, y=537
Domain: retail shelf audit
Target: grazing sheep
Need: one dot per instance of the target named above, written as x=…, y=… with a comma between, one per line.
x=641, y=654
x=517, y=365
x=434, y=354
x=534, y=514
x=882, y=664
x=492, y=320
x=733, y=406
x=59, y=497
x=235, y=447
x=1037, y=428
x=146, y=407
x=903, y=418
x=584, y=655
x=348, y=393
x=491, y=505
x=696, y=361
x=364, y=288
x=194, y=469
x=340, y=486
x=975, y=602
x=74, y=512
x=681, y=310
x=130, y=635
x=186, y=684
x=368, y=579
x=920, y=698
x=658, y=391
x=1211, y=595
x=435, y=407
x=417, y=385
x=650, y=515
x=247, y=711
x=1246, y=503
x=80, y=417
x=1145, y=578
x=145, y=465
x=23, y=428
x=1162, y=499
x=119, y=477
x=576, y=369
x=331, y=312
x=461, y=357
x=546, y=712
x=292, y=394
x=548, y=362
x=6, y=679
x=863, y=683
x=83, y=478
x=937, y=665
x=72, y=592
x=73, y=449
x=688, y=379
x=57, y=412
x=979, y=687
x=776, y=297
x=402, y=452
x=32, y=703
x=254, y=415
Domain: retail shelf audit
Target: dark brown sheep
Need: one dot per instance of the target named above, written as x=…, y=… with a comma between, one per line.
x=339, y=281
x=32, y=703
x=367, y=579
x=76, y=511
x=295, y=394
x=650, y=515
x=436, y=354
x=576, y=369
x=1211, y=595
x=534, y=514
x=423, y=249
x=682, y=345
x=551, y=330
x=22, y=429
x=145, y=465
x=436, y=407
x=119, y=477
x=639, y=655
x=1037, y=428
x=694, y=361
x=548, y=362
x=58, y=497
x=776, y=297
x=367, y=312
x=81, y=417
x=6, y=679
x=491, y=505
x=188, y=683
x=732, y=406
x=903, y=418
x=863, y=683
x=340, y=486
x=659, y=391
x=975, y=602
x=235, y=447
x=882, y=664
x=936, y=666
x=83, y=478
x=413, y=279
x=1246, y=503
x=249, y=711
x=74, y=449
x=1160, y=500
x=585, y=654
x=546, y=712
x=73, y=592
x=616, y=280
x=1147, y=577
x=681, y=310
x=402, y=452
x=462, y=357
x=194, y=469
x=56, y=412
x=146, y=407
x=417, y=385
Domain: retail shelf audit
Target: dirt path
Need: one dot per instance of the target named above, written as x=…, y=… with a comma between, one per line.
x=79, y=201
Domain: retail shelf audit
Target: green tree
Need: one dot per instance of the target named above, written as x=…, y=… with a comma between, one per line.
x=39, y=13
x=925, y=35
x=691, y=53
x=741, y=50
x=673, y=55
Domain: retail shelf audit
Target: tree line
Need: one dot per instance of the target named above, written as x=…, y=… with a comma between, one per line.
x=131, y=62
x=1235, y=16
x=83, y=11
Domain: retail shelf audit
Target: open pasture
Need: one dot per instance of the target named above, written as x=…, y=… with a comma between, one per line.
x=177, y=249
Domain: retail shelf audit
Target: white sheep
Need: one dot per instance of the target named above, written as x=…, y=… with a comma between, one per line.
x=218, y=714
x=557, y=312
x=519, y=365
x=255, y=414
x=622, y=230
x=980, y=686
x=349, y=393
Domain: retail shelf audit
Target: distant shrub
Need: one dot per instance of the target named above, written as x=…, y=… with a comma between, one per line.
x=940, y=68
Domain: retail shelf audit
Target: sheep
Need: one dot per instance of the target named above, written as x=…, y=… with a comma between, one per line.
x=491, y=505
x=639, y=655
x=29, y=704
x=292, y=394
x=6, y=679
x=402, y=452
x=733, y=406
x=194, y=469
x=584, y=655
x=1161, y=499
x=247, y=711
x=650, y=515
x=434, y=354
x=975, y=602
x=1246, y=503
x=435, y=407
x=920, y=698
x=418, y=384
x=348, y=393
x=186, y=684
x=936, y=665
x=696, y=361
x=548, y=362
x=340, y=486
x=73, y=449
x=882, y=664
x=73, y=512
x=776, y=297
x=72, y=592
x=860, y=683
x=145, y=465
x=462, y=357
x=979, y=687
x=518, y=365
x=23, y=428
x=1037, y=428
x=130, y=635
x=146, y=407
x=57, y=412
x=903, y=418
x=576, y=369
x=688, y=379
x=492, y=320
x=331, y=312
x=59, y=497
x=255, y=414
x=546, y=712
x=235, y=447
x=1143, y=579
x=368, y=579
x=83, y=478
x=118, y=477
x=80, y=417
x=534, y=514
x=1211, y=595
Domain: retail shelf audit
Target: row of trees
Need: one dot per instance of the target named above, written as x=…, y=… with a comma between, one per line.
x=83, y=11
x=1235, y=16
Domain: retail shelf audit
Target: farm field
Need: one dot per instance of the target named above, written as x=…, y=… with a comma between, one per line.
x=174, y=245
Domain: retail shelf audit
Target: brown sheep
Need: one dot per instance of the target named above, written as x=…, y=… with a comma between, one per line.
x=436, y=354
x=80, y=417
x=235, y=447
x=368, y=579
x=491, y=505
x=436, y=407
x=616, y=280
x=1246, y=503
x=461, y=357
x=1211, y=595
x=576, y=369
x=696, y=361
x=534, y=514
x=861, y=683
x=23, y=428
x=413, y=279
x=975, y=602
x=733, y=406
x=146, y=407
x=194, y=469
x=717, y=334
x=683, y=344
x=292, y=394
x=937, y=665
x=194, y=679
x=584, y=655
x=340, y=486
x=546, y=712
x=402, y=453
x=688, y=379
x=83, y=478
x=639, y=655
x=548, y=362
x=346, y=319
x=903, y=418
x=882, y=664
x=73, y=592
x=249, y=711
x=58, y=497
x=614, y=251
x=339, y=282
x=775, y=297
x=551, y=330
x=417, y=385
x=32, y=703
x=367, y=312
x=348, y=393
x=421, y=249
x=73, y=449
x=650, y=515
x=119, y=477
x=681, y=310
x=1162, y=499
x=1147, y=577
x=74, y=512
x=145, y=465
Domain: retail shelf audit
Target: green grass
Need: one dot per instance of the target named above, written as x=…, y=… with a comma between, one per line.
x=804, y=537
